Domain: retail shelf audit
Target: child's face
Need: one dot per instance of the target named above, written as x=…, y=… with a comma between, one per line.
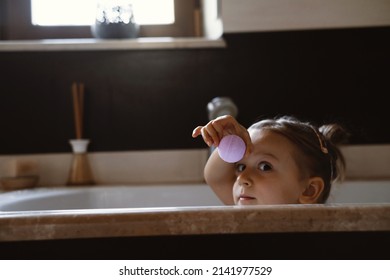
x=269, y=175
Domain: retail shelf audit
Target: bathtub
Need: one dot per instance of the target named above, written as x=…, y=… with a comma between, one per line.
x=175, y=195
x=367, y=191
x=107, y=197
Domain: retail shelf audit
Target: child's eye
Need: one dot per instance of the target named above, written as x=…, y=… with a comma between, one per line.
x=240, y=167
x=265, y=166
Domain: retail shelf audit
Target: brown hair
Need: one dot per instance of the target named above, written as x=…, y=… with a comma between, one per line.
x=319, y=148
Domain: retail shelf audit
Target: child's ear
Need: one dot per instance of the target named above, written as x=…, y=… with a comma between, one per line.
x=313, y=191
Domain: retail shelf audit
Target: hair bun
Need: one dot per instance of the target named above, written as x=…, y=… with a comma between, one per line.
x=335, y=133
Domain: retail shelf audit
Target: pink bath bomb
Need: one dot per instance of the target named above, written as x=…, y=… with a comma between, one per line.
x=231, y=148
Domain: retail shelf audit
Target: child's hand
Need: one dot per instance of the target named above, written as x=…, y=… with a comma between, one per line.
x=216, y=129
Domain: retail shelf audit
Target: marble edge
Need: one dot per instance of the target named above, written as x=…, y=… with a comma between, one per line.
x=44, y=225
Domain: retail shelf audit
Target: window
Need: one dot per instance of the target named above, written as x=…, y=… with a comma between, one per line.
x=25, y=19
x=76, y=12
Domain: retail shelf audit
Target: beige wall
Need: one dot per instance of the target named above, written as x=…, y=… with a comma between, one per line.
x=266, y=15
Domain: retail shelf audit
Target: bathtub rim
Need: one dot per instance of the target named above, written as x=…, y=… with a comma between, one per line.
x=68, y=224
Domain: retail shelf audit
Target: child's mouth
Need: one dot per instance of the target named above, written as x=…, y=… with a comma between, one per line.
x=246, y=197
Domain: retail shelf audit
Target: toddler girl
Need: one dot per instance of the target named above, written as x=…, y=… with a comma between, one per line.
x=286, y=161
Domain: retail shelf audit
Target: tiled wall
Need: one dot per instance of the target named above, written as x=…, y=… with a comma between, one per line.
x=152, y=99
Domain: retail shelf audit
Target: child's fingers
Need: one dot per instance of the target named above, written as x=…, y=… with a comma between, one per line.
x=200, y=130
x=220, y=129
x=209, y=135
x=213, y=135
x=248, y=142
x=216, y=129
x=249, y=148
x=196, y=132
x=226, y=125
x=206, y=137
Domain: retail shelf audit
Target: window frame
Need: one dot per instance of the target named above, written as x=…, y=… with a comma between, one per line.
x=15, y=24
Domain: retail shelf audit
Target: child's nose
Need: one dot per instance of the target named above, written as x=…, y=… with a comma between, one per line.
x=244, y=179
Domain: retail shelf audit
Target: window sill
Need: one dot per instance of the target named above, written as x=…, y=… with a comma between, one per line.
x=109, y=45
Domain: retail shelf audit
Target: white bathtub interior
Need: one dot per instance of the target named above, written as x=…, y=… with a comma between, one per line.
x=366, y=191
x=104, y=197
x=175, y=195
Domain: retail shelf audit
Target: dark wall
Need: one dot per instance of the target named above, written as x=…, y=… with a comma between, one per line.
x=2, y=16
x=152, y=99
x=264, y=246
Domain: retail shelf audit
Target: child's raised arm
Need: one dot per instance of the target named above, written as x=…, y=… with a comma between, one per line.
x=220, y=175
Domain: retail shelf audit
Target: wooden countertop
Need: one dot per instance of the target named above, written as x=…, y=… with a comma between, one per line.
x=68, y=224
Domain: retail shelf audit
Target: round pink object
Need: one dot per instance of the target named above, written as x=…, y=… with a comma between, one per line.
x=231, y=148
